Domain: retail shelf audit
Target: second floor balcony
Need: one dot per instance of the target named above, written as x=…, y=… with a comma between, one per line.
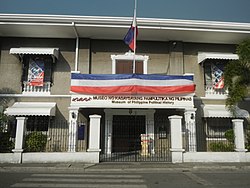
x=36, y=90
x=211, y=92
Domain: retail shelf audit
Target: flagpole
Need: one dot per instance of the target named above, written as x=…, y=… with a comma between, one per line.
x=135, y=30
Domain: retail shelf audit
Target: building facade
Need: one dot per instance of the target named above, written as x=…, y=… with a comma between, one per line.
x=45, y=59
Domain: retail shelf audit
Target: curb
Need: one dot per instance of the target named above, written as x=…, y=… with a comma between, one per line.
x=72, y=168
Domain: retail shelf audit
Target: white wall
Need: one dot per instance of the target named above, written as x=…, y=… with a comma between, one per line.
x=219, y=157
x=93, y=157
x=55, y=157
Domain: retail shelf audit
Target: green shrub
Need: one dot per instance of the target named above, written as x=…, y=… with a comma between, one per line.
x=229, y=134
x=220, y=147
x=35, y=142
x=248, y=139
x=248, y=147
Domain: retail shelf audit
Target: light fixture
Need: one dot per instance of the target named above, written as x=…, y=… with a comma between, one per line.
x=192, y=116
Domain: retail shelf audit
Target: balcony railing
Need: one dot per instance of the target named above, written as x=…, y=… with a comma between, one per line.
x=215, y=93
x=39, y=90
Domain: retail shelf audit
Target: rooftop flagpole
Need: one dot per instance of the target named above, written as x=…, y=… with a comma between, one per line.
x=130, y=37
x=135, y=33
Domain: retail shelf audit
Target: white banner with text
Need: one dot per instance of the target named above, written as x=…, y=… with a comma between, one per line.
x=113, y=101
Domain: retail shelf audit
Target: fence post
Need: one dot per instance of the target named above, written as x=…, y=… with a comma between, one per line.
x=20, y=128
x=150, y=130
x=73, y=129
x=94, y=133
x=176, y=139
x=108, y=131
x=191, y=129
x=239, y=135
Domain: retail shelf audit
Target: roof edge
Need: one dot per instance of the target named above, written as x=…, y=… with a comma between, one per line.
x=160, y=22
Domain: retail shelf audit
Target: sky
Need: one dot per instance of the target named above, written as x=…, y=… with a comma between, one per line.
x=211, y=10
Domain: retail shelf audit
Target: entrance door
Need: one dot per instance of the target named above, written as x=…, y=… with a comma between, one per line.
x=127, y=132
x=129, y=146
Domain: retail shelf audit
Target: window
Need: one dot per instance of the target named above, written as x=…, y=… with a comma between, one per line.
x=123, y=64
x=34, y=66
x=38, y=123
x=213, y=72
x=37, y=73
x=216, y=127
x=126, y=67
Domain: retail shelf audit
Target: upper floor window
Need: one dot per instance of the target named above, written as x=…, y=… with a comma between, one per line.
x=37, y=68
x=214, y=78
x=37, y=73
x=123, y=64
x=126, y=67
x=214, y=70
x=214, y=64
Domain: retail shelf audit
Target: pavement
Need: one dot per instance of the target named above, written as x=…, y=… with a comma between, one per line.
x=120, y=167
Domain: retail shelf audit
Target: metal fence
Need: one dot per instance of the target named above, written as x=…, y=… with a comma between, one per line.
x=131, y=140
x=212, y=138
x=7, y=136
x=53, y=136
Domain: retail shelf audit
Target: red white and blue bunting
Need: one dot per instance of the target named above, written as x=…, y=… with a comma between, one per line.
x=131, y=84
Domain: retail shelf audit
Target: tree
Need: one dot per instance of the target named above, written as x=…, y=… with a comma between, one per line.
x=237, y=81
x=6, y=144
x=3, y=104
x=237, y=76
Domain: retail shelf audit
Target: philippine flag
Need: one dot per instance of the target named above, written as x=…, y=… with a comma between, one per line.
x=217, y=77
x=36, y=73
x=131, y=84
x=130, y=37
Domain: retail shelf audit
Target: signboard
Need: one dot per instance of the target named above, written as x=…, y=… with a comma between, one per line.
x=113, y=101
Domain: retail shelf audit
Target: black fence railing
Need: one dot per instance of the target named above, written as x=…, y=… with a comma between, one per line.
x=7, y=136
x=212, y=138
x=7, y=142
x=133, y=139
x=53, y=136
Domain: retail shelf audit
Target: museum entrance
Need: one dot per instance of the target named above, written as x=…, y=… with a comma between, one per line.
x=127, y=131
x=136, y=138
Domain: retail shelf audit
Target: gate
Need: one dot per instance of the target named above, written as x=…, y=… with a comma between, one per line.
x=132, y=141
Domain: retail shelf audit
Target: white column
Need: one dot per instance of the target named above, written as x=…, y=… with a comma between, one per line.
x=176, y=139
x=20, y=128
x=190, y=129
x=150, y=129
x=239, y=135
x=73, y=129
x=94, y=133
x=108, y=131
